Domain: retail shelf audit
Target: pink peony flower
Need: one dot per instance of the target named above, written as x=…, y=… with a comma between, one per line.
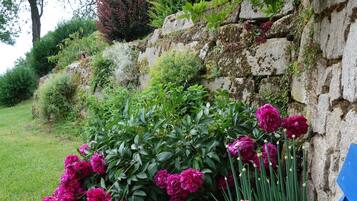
x=70, y=159
x=98, y=163
x=83, y=149
x=161, y=178
x=174, y=188
x=269, y=118
x=65, y=195
x=69, y=175
x=98, y=194
x=295, y=126
x=83, y=169
x=221, y=181
x=191, y=180
x=269, y=152
x=266, y=26
x=49, y=198
x=243, y=146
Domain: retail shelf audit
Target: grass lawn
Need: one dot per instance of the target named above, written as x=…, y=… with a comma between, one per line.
x=31, y=159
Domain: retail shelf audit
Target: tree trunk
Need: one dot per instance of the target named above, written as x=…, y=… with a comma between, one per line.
x=36, y=19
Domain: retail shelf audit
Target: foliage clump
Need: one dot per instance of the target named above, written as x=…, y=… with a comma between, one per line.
x=49, y=44
x=75, y=46
x=160, y=9
x=123, y=19
x=17, y=84
x=56, y=97
x=180, y=67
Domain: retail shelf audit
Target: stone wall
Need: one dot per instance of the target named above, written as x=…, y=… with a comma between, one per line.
x=327, y=93
x=312, y=65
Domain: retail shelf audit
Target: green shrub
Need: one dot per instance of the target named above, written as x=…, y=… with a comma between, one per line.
x=102, y=71
x=180, y=67
x=17, y=84
x=165, y=127
x=56, y=98
x=160, y=9
x=74, y=46
x=48, y=45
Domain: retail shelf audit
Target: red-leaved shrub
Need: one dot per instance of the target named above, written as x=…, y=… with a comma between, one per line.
x=123, y=19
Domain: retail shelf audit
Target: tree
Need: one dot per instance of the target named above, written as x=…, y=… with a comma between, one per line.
x=36, y=8
x=8, y=21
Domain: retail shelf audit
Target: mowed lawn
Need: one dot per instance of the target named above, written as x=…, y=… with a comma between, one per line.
x=31, y=159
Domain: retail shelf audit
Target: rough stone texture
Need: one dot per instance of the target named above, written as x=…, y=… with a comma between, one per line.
x=326, y=149
x=329, y=33
x=320, y=115
x=270, y=58
x=219, y=83
x=298, y=88
x=82, y=71
x=174, y=23
x=250, y=12
x=154, y=37
x=299, y=82
x=282, y=27
x=349, y=66
x=335, y=83
x=320, y=5
x=243, y=89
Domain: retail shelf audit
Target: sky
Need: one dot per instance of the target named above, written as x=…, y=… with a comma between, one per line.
x=54, y=12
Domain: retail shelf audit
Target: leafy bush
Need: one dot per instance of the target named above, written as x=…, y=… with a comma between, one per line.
x=73, y=47
x=159, y=9
x=48, y=45
x=102, y=71
x=164, y=127
x=180, y=67
x=123, y=19
x=17, y=84
x=56, y=97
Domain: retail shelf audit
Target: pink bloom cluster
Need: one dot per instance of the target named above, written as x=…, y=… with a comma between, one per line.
x=295, y=126
x=269, y=118
x=179, y=186
x=244, y=146
x=98, y=194
x=269, y=153
x=76, y=170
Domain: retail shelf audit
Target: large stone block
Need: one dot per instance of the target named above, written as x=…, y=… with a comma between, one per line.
x=320, y=5
x=298, y=88
x=326, y=148
x=329, y=33
x=248, y=11
x=219, y=83
x=174, y=23
x=270, y=58
x=349, y=66
x=320, y=115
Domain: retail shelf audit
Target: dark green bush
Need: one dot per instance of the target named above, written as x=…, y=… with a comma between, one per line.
x=179, y=67
x=102, y=71
x=165, y=127
x=160, y=9
x=75, y=45
x=56, y=98
x=49, y=44
x=17, y=84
